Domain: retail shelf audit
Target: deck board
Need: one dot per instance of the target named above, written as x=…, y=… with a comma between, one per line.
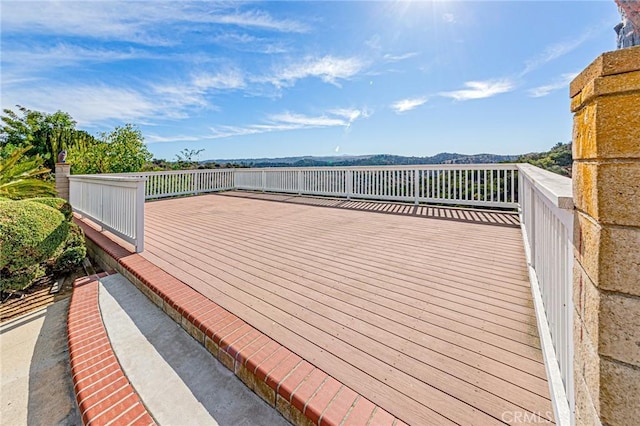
x=431, y=319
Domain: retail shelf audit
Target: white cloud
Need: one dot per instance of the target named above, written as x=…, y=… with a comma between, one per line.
x=405, y=105
x=351, y=115
x=232, y=79
x=304, y=121
x=249, y=43
x=560, y=83
x=329, y=69
x=554, y=51
x=449, y=17
x=259, y=19
x=375, y=42
x=397, y=58
x=100, y=103
x=88, y=105
x=145, y=22
x=480, y=89
x=293, y=121
x=152, y=138
x=195, y=92
x=29, y=59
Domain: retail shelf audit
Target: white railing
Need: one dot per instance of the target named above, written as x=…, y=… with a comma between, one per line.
x=184, y=182
x=490, y=185
x=114, y=202
x=546, y=215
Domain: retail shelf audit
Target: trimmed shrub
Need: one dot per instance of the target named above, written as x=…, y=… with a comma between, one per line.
x=59, y=204
x=73, y=252
x=37, y=235
x=21, y=279
x=30, y=234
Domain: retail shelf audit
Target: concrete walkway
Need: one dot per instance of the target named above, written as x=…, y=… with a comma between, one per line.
x=178, y=380
x=36, y=387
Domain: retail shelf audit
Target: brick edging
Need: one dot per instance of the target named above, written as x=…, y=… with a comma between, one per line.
x=103, y=393
x=302, y=393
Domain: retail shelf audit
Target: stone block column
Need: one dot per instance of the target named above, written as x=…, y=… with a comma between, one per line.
x=63, y=170
x=605, y=100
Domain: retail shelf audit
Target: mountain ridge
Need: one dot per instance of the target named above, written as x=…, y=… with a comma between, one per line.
x=367, y=160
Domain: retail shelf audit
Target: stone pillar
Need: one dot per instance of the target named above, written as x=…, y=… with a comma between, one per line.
x=63, y=170
x=605, y=100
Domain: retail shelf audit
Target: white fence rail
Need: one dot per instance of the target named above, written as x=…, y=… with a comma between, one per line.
x=546, y=215
x=184, y=182
x=491, y=185
x=114, y=202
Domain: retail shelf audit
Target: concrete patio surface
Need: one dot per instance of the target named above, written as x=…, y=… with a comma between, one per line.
x=36, y=387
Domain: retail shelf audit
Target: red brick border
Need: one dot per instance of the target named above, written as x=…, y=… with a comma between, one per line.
x=302, y=393
x=103, y=393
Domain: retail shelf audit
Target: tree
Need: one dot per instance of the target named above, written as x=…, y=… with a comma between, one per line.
x=187, y=159
x=120, y=151
x=48, y=134
x=20, y=176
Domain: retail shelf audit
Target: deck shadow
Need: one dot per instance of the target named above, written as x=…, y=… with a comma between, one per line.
x=457, y=214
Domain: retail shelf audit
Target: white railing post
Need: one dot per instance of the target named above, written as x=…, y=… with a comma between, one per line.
x=532, y=226
x=416, y=187
x=299, y=182
x=139, y=212
x=348, y=184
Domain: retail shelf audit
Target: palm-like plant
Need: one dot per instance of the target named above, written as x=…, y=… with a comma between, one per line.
x=20, y=176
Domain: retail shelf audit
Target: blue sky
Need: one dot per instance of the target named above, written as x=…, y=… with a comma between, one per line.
x=272, y=79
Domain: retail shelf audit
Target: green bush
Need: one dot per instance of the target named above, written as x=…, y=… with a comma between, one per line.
x=73, y=251
x=30, y=234
x=59, y=204
x=21, y=279
x=37, y=235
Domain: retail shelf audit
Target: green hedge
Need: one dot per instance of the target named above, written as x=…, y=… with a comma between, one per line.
x=73, y=251
x=36, y=235
x=59, y=204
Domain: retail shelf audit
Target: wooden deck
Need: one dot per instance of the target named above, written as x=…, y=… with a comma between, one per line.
x=430, y=319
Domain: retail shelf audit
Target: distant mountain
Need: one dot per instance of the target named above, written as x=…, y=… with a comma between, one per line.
x=368, y=160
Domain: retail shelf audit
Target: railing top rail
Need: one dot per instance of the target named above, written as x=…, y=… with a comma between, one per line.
x=494, y=166
x=172, y=172
x=109, y=177
x=558, y=189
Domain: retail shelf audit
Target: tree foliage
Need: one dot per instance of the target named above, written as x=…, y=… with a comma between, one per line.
x=46, y=134
x=20, y=176
x=558, y=159
x=120, y=151
x=187, y=159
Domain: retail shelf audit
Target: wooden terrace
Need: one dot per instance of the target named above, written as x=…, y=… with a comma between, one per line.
x=426, y=312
